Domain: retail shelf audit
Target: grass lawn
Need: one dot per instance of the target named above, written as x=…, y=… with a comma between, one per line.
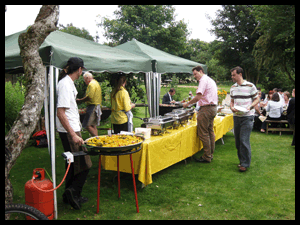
x=265, y=191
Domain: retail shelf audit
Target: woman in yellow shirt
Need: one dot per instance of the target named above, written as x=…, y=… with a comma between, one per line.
x=120, y=105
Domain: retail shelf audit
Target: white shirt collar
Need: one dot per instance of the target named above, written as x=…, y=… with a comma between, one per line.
x=170, y=97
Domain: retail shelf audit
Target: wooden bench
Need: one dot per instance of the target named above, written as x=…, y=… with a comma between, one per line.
x=278, y=129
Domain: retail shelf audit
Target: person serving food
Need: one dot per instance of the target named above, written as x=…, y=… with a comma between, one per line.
x=121, y=115
x=207, y=98
x=167, y=98
x=69, y=127
x=93, y=100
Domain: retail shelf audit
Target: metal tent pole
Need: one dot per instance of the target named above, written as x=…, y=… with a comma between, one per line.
x=52, y=134
x=46, y=108
x=158, y=92
x=149, y=92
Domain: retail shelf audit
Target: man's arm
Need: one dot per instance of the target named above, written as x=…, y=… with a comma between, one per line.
x=232, y=106
x=194, y=100
x=84, y=99
x=132, y=105
x=89, y=92
x=257, y=110
x=65, y=122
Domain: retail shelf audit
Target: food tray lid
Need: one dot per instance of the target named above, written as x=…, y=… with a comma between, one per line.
x=179, y=111
x=160, y=119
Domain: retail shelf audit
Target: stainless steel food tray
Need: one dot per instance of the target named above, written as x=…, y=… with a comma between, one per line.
x=182, y=118
x=159, y=125
x=160, y=119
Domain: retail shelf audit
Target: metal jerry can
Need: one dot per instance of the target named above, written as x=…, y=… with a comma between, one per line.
x=43, y=201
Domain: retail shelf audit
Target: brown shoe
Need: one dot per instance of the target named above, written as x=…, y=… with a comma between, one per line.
x=243, y=169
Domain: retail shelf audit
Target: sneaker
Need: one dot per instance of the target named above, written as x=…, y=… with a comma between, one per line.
x=72, y=199
x=243, y=169
x=202, y=160
x=82, y=200
x=64, y=198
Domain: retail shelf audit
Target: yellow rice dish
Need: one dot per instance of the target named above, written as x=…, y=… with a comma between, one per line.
x=114, y=140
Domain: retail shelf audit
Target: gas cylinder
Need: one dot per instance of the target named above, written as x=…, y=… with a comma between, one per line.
x=43, y=201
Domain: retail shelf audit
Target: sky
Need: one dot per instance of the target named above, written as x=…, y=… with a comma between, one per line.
x=19, y=17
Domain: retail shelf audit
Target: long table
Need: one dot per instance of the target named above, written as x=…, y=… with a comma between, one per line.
x=160, y=152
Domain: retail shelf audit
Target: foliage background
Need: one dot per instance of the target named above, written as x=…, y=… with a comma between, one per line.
x=14, y=100
x=259, y=38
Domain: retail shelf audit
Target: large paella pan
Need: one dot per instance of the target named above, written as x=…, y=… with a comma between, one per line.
x=113, y=143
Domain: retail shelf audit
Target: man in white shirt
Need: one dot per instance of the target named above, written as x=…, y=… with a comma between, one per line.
x=69, y=127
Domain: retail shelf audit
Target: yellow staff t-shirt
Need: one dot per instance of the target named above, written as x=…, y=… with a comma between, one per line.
x=121, y=101
x=94, y=92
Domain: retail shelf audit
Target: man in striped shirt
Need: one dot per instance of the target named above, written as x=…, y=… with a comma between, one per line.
x=243, y=94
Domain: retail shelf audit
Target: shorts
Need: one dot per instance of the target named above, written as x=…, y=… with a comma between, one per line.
x=90, y=117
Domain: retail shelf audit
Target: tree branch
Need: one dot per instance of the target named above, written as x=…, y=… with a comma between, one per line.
x=34, y=70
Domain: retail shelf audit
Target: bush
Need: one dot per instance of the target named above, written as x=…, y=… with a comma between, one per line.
x=14, y=100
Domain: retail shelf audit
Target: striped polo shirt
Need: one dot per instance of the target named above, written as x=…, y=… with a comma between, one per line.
x=243, y=95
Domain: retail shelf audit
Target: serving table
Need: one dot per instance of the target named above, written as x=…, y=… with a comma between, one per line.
x=160, y=152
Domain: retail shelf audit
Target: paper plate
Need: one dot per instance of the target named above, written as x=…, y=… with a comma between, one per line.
x=241, y=109
x=262, y=118
x=226, y=111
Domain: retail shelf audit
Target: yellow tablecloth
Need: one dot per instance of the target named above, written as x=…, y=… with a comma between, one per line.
x=160, y=152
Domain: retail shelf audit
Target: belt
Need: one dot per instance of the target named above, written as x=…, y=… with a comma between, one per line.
x=208, y=105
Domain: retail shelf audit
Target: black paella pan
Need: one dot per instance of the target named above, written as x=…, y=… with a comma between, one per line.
x=96, y=150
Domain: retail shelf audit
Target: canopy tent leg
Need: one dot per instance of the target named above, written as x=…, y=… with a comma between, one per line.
x=50, y=125
x=149, y=93
x=46, y=108
x=152, y=83
x=52, y=134
x=157, y=81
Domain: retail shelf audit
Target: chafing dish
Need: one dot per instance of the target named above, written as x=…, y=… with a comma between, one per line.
x=179, y=111
x=190, y=111
x=160, y=119
x=159, y=124
x=180, y=116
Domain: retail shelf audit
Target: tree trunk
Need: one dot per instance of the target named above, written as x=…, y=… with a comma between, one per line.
x=246, y=74
x=34, y=70
x=257, y=78
x=288, y=73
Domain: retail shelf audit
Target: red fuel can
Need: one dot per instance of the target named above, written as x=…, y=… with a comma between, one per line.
x=43, y=201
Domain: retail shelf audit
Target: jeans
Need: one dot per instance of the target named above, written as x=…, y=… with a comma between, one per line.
x=76, y=177
x=242, y=130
